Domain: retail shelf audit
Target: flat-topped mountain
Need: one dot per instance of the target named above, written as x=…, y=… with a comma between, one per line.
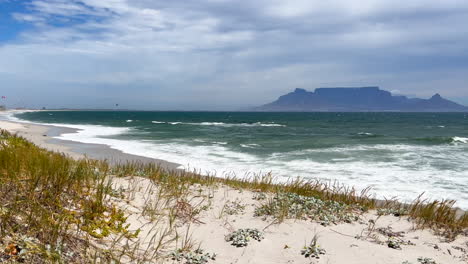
x=358, y=99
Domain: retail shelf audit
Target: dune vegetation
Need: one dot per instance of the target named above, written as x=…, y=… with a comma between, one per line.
x=55, y=209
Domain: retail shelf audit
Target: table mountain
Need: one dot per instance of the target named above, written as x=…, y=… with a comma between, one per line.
x=358, y=99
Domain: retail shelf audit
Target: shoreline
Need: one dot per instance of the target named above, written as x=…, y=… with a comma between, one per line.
x=43, y=136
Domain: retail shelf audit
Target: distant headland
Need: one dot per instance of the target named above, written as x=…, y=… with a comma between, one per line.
x=355, y=99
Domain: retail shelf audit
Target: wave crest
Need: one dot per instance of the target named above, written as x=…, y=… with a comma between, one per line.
x=460, y=140
x=221, y=124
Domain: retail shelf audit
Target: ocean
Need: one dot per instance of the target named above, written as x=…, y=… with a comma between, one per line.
x=396, y=154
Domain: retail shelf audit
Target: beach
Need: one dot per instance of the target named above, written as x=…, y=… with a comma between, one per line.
x=223, y=209
x=43, y=136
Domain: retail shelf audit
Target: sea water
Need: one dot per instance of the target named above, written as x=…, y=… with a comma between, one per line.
x=396, y=154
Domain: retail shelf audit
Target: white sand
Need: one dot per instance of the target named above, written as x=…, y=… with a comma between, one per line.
x=37, y=134
x=283, y=242
x=10, y=126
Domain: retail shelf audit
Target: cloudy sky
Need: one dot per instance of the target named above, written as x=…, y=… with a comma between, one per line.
x=226, y=54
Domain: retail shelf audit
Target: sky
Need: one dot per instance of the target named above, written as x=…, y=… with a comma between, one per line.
x=226, y=54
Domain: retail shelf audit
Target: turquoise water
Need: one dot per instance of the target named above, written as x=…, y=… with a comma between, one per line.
x=397, y=154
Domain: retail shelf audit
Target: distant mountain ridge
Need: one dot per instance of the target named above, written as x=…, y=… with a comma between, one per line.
x=353, y=99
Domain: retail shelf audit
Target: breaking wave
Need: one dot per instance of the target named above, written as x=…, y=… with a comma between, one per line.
x=443, y=140
x=221, y=124
x=460, y=140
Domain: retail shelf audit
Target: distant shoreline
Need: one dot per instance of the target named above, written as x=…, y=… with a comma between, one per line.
x=230, y=111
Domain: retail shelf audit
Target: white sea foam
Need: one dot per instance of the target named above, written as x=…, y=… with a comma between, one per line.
x=91, y=133
x=207, y=124
x=365, y=134
x=221, y=124
x=10, y=115
x=460, y=140
x=270, y=125
x=129, y=121
x=85, y=133
x=249, y=145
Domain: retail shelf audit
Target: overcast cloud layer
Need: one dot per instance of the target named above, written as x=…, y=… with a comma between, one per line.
x=223, y=54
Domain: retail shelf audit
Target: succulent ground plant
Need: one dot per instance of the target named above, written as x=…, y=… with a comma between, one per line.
x=234, y=207
x=192, y=257
x=392, y=211
x=313, y=250
x=259, y=196
x=290, y=205
x=241, y=237
x=395, y=242
x=423, y=260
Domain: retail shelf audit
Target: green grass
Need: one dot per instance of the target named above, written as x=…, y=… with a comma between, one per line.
x=51, y=203
x=56, y=206
x=41, y=195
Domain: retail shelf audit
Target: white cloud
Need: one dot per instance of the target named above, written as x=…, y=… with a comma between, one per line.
x=295, y=8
